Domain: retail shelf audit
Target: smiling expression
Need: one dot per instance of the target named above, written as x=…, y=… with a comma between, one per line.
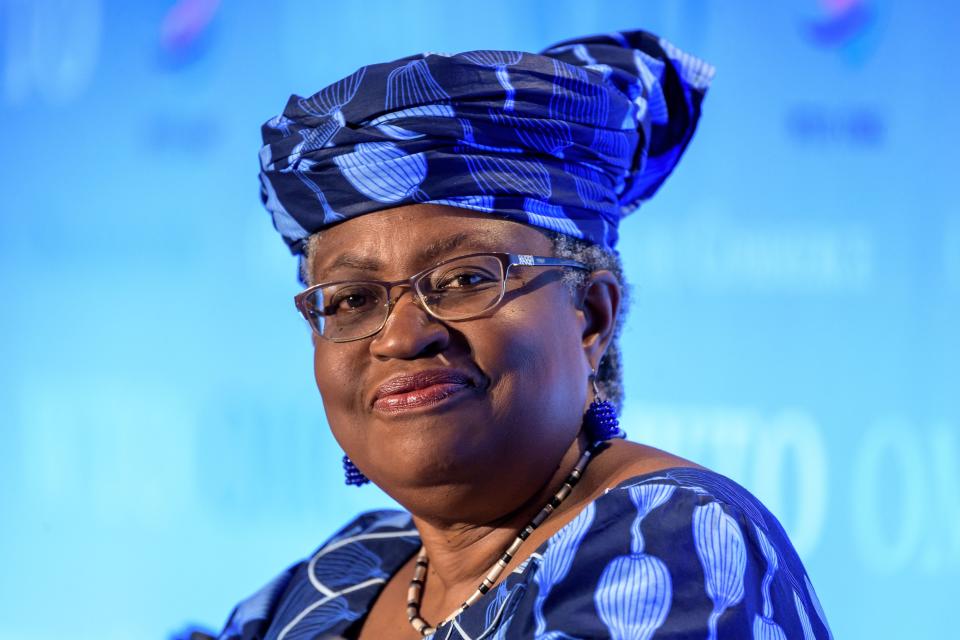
x=452, y=405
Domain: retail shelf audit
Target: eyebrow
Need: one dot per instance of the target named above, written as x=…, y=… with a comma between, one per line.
x=352, y=261
x=427, y=255
x=433, y=251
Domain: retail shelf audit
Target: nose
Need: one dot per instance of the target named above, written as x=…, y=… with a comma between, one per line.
x=410, y=332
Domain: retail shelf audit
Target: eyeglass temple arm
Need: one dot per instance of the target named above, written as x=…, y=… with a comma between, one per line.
x=540, y=261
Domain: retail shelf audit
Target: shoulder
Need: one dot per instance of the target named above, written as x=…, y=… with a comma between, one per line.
x=355, y=553
x=674, y=552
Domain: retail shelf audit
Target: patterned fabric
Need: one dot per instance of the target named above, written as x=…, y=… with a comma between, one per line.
x=681, y=553
x=568, y=140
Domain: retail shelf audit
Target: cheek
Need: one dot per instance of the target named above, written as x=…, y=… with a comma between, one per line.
x=536, y=357
x=337, y=376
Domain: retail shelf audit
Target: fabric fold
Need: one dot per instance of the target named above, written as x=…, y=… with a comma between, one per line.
x=570, y=139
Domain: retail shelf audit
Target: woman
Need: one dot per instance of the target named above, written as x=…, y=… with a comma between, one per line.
x=457, y=217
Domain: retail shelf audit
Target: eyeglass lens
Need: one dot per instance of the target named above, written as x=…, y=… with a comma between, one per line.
x=455, y=290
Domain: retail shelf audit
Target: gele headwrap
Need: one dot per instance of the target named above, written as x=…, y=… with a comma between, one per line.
x=570, y=139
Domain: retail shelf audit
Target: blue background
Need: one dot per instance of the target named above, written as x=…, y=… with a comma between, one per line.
x=795, y=301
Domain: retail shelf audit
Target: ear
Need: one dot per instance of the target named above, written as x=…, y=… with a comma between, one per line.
x=600, y=307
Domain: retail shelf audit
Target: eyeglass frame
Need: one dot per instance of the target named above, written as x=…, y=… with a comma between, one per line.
x=507, y=261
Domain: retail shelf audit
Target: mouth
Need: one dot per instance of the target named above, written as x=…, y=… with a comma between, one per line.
x=424, y=389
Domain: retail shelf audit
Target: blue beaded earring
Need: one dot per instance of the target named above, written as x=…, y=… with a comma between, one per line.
x=600, y=421
x=353, y=475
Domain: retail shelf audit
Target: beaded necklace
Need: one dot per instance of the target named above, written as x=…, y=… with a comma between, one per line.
x=415, y=591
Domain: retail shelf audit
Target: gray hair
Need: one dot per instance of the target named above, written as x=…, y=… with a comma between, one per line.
x=596, y=258
x=610, y=369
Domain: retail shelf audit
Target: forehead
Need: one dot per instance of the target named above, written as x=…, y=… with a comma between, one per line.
x=412, y=237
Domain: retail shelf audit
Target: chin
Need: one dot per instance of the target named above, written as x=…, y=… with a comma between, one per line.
x=440, y=454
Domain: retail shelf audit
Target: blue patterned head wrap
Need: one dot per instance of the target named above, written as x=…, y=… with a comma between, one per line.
x=570, y=139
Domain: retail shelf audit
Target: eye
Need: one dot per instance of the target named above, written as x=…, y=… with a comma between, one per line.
x=353, y=299
x=462, y=278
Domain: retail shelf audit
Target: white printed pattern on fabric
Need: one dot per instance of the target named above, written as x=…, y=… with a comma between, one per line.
x=633, y=596
x=722, y=552
x=634, y=593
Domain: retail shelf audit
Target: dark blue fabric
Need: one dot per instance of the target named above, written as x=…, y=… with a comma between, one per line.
x=570, y=139
x=681, y=553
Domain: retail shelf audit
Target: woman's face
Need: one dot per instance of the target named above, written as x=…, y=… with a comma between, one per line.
x=442, y=413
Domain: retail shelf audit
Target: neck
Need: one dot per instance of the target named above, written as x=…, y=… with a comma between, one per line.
x=462, y=552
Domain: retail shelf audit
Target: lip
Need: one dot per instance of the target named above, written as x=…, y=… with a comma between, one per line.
x=420, y=390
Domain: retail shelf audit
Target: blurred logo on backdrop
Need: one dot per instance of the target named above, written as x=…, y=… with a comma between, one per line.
x=849, y=27
x=185, y=42
x=185, y=31
x=852, y=126
x=850, y=31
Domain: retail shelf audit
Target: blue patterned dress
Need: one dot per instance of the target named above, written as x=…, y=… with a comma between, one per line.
x=680, y=553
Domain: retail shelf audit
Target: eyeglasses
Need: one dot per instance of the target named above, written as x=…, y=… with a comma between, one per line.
x=456, y=289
